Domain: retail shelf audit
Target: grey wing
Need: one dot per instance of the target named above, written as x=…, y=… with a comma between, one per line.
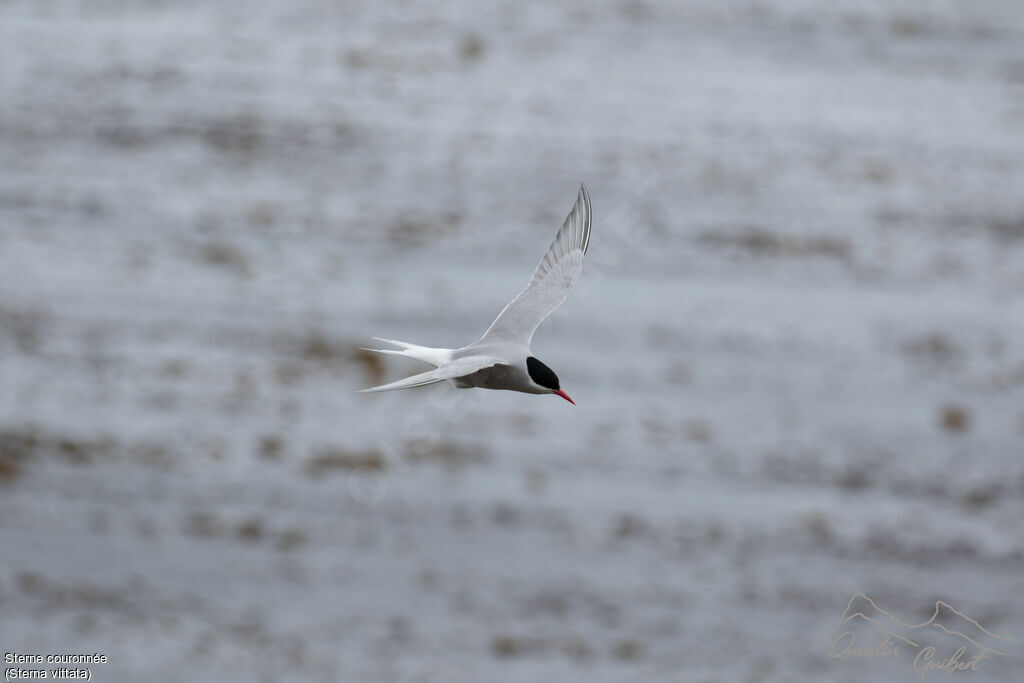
x=459, y=367
x=551, y=282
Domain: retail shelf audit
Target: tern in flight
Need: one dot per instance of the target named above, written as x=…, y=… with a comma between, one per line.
x=501, y=358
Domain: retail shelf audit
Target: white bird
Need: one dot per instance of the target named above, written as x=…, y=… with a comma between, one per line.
x=501, y=359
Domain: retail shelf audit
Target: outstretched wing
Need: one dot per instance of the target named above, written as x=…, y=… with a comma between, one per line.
x=459, y=367
x=551, y=282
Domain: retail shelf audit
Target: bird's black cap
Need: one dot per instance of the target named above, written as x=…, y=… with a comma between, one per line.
x=542, y=374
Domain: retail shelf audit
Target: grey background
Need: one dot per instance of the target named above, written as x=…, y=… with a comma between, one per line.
x=796, y=347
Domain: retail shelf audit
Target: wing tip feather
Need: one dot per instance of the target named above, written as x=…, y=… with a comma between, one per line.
x=585, y=196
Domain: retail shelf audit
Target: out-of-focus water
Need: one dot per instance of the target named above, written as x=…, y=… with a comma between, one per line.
x=796, y=347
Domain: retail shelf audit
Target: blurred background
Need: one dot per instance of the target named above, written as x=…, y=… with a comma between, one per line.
x=797, y=347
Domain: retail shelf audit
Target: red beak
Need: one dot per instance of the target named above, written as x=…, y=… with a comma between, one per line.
x=559, y=392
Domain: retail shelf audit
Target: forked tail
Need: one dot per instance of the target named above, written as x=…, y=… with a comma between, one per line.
x=425, y=354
